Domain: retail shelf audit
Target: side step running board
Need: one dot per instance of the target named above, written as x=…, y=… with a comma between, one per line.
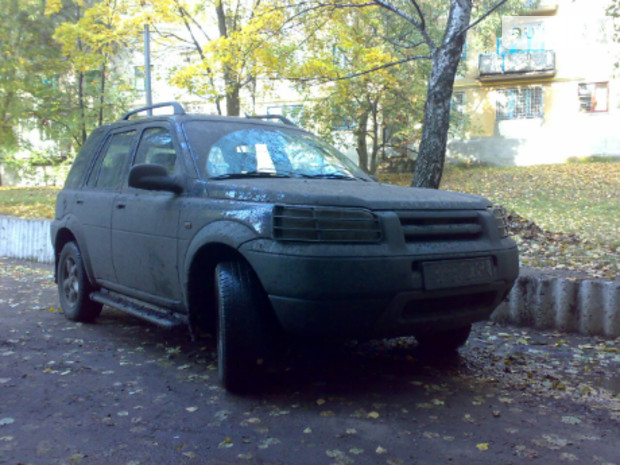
x=157, y=315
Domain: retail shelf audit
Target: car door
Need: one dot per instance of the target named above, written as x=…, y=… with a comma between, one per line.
x=94, y=202
x=145, y=227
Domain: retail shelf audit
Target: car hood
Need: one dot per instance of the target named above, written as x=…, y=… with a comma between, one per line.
x=342, y=193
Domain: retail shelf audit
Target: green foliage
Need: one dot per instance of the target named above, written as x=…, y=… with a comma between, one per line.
x=26, y=58
x=31, y=202
x=54, y=61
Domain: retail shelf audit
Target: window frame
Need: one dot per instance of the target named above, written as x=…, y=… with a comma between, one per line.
x=531, y=109
x=593, y=96
x=95, y=170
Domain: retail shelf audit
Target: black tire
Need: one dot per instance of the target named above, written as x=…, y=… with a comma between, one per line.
x=74, y=287
x=245, y=328
x=443, y=342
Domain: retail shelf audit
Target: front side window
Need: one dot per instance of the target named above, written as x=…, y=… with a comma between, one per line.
x=520, y=103
x=156, y=147
x=594, y=97
x=243, y=151
x=108, y=171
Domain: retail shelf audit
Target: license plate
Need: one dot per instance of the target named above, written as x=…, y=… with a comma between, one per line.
x=457, y=273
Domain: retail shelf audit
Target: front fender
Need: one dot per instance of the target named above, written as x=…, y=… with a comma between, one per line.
x=229, y=233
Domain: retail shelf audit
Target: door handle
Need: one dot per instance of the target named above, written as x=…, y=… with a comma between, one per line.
x=120, y=206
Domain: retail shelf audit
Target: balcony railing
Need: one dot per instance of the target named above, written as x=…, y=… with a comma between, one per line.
x=516, y=64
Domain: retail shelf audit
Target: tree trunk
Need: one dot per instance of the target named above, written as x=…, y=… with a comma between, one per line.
x=102, y=95
x=233, y=102
x=82, y=107
x=375, y=137
x=360, y=137
x=445, y=60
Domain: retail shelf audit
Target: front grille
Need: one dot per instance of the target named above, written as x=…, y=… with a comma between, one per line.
x=439, y=226
x=308, y=224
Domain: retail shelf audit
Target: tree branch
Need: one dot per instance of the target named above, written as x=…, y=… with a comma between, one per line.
x=362, y=73
x=420, y=14
x=479, y=20
x=419, y=25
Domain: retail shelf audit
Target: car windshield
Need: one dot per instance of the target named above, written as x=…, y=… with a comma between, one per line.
x=239, y=150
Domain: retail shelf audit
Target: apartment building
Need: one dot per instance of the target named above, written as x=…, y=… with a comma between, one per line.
x=548, y=90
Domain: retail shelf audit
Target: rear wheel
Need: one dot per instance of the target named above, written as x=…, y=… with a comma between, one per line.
x=245, y=326
x=443, y=342
x=74, y=288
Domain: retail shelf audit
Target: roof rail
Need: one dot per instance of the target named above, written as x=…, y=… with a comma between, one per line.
x=178, y=109
x=281, y=118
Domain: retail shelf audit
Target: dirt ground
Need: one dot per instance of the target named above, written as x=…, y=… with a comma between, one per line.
x=124, y=392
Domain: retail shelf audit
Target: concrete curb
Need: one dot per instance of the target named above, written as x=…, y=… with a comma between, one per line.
x=26, y=239
x=539, y=299
x=567, y=303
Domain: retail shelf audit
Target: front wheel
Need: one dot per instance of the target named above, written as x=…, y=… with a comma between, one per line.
x=245, y=326
x=74, y=287
x=443, y=342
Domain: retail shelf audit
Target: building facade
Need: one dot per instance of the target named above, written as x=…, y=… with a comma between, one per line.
x=547, y=92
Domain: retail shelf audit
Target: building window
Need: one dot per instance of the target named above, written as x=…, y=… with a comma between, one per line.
x=51, y=82
x=458, y=102
x=520, y=103
x=594, y=97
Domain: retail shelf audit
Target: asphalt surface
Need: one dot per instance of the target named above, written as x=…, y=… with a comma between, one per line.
x=124, y=392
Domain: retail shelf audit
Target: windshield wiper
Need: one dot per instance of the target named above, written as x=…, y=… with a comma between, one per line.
x=249, y=174
x=326, y=176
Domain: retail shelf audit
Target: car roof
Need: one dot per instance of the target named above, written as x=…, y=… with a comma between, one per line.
x=179, y=116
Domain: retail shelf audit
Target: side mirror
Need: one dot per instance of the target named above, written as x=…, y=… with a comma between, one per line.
x=153, y=178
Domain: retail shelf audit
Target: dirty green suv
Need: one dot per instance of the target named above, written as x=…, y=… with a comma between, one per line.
x=256, y=229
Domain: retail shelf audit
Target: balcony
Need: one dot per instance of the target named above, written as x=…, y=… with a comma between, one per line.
x=527, y=64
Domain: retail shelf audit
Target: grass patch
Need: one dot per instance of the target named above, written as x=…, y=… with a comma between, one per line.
x=577, y=205
x=28, y=202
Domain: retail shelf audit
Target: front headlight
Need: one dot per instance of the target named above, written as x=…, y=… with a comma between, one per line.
x=324, y=224
x=500, y=217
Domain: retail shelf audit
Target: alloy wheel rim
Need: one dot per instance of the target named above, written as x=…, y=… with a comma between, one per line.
x=70, y=281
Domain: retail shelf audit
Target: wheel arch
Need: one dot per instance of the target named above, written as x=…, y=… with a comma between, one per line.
x=216, y=242
x=200, y=289
x=65, y=234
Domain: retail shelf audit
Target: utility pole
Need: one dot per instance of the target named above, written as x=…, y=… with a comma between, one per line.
x=147, y=68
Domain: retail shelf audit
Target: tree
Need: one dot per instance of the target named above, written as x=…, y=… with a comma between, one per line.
x=326, y=55
x=27, y=58
x=422, y=30
x=228, y=58
x=92, y=36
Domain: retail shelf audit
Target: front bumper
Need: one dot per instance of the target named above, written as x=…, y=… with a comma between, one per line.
x=374, y=296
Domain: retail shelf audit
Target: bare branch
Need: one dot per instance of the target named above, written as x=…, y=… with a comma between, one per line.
x=362, y=73
x=420, y=14
x=479, y=20
x=403, y=14
x=420, y=26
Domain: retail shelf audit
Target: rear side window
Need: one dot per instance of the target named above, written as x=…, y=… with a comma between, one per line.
x=82, y=161
x=108, y=171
